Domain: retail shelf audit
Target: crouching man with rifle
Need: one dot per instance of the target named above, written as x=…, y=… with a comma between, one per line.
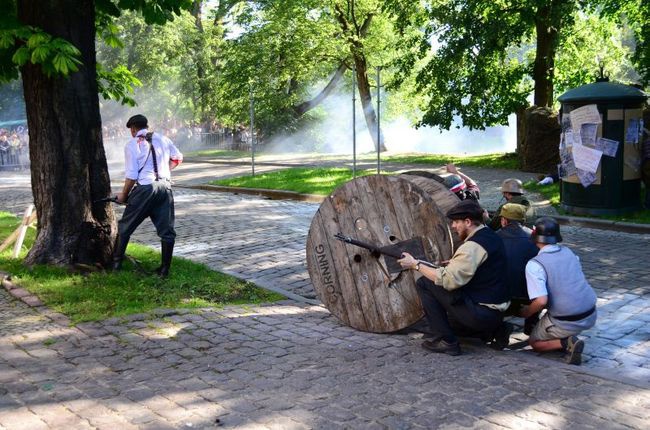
x=469, y=295
x=147, y=192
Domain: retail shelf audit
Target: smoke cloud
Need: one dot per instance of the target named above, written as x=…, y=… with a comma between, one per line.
x=333, y=134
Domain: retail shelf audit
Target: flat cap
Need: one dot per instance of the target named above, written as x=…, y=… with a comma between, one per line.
x=513, y=212
x=468, y=208
x=137, y=120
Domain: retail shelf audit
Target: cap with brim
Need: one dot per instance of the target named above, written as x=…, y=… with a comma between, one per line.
x=513, y=212
x=466, y=209
x=137, y=120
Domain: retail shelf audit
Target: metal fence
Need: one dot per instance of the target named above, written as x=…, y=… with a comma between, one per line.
x=226, y=140
x=13, y=159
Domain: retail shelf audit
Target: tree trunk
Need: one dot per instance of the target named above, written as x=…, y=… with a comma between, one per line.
x=366, y=101
x=355, y=35
x=68, y=163
x=547, y=25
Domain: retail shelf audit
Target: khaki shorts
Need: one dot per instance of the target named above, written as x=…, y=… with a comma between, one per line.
x=546, y=330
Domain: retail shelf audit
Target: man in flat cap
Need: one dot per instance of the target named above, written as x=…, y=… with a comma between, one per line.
x=147, y=192
x=519, y=250
x=469, y=295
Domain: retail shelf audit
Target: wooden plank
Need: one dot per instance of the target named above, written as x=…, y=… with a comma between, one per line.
x=14, y=235
x=22, y=230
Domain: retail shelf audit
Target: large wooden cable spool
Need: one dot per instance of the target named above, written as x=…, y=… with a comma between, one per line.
x=360, y=289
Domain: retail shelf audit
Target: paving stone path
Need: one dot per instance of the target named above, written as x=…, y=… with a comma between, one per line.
x=292, y=365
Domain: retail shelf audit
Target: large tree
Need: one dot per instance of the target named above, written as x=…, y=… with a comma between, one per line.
x=472, y=60
x=52, y=43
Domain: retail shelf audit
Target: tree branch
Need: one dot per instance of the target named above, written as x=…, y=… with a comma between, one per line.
x=304, y=107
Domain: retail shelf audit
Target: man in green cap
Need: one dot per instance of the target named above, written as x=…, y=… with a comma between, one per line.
x=519, y=250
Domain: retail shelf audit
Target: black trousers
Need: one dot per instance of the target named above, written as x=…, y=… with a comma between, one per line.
x=154, y=201
x=452, y=313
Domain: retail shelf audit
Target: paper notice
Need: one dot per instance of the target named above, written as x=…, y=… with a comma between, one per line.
x=584, y=115
x=586, y=178
x=586, y=158
x=588, y=133
x=608, y=146
x=632, y=132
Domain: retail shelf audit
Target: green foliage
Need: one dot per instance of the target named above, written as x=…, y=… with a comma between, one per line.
x=473, y=59
x=57, y=57
x=117, y=84
x=100, y=295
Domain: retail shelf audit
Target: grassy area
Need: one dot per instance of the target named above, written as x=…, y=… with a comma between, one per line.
x=99, y=295
x=496, y=161
x=493, y=161
x=552, y=193
x=321, y=180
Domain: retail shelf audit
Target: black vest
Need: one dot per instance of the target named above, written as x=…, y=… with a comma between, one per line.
x=488, y=285
x=519, y=249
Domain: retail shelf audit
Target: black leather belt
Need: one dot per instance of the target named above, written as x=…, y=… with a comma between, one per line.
x=577, y=317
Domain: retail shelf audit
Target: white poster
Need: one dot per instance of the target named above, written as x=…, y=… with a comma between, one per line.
x=586, y=158
x=584, y=115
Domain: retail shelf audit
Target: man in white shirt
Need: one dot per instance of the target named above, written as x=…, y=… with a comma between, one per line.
x=556, y=283
x=149, y=159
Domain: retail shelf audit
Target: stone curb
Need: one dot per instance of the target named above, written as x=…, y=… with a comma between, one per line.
x=603, y=224
x=18, y=292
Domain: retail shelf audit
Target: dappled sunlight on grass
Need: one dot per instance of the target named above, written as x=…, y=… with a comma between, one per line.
x=320, y=181
x=135, y=289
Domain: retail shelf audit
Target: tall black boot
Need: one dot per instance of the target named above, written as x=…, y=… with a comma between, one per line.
x=167, y=249
x=118, y=252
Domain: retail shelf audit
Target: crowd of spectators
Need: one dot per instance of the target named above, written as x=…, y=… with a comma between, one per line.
x=14, y=147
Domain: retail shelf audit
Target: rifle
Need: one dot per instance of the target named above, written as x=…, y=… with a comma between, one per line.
x=394, y=252
x=112, y=199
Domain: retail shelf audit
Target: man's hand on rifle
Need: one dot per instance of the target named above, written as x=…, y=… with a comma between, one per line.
x=408, y=261
x=121, y=198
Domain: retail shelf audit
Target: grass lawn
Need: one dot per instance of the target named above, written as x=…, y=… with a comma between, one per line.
x=552, y=193
x=100, y=295
x=493, y=161
x=321, y=180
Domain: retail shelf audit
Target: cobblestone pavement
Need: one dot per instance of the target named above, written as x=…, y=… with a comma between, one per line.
x=292, y=365
x=282, y=366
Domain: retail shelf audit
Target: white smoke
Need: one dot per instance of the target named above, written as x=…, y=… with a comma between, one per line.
x=333, y=134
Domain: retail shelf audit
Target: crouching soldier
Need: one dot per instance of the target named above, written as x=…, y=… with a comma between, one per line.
x=556, y=283
x=469, y=295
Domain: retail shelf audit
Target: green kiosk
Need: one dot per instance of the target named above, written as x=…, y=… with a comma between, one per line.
x=600, y=148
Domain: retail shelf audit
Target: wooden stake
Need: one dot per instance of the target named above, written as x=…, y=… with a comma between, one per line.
x=28, y=218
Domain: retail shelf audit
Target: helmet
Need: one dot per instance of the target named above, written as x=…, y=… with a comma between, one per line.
x=546, y=230
x=454, y=183
x=512, y=185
